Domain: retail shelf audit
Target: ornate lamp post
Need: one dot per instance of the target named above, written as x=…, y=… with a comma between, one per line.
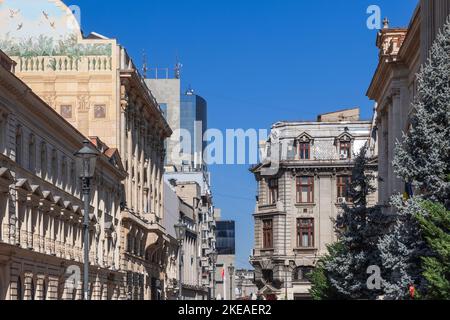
x=180, y=230
x=86, y=160
x=231, y=272
x=213, y=257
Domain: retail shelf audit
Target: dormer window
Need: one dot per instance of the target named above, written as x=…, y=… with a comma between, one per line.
x=344, y=145
x=304, y=150
x=345, y=150
x=304, y=143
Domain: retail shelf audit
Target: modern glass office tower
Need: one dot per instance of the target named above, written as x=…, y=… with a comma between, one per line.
x=194, y=120
x=225, y=238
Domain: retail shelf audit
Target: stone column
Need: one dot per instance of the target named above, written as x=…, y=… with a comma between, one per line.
x=395, y=136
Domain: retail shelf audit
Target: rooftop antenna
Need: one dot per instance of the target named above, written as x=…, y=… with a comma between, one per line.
x=178, y=67
x=144, y=64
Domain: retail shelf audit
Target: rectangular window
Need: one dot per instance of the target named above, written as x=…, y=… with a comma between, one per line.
x=18, y=146
x=305, y=233
x=304, y=150
x=273, y=191
x=345, y=150
x=343, y=184
x=305, y=189
x=31, y=154
x=268, y=234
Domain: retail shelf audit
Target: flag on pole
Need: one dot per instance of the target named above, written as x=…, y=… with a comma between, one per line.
x=223, y=273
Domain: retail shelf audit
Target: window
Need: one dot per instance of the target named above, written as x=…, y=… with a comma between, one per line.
x=100, y=111
x=343, y=184
x=305, y=189
x=273, y=191
x=3, y=124
x=18, y=149
x=54, y=166
x=63, y=173
x=267, y=275
x=345, y=150
x=19, y=289
x=304, y=150
x=301, y=274
x=43, y=160
x=66, y=111
x=268, y=234
x=305, y=233
x=31, y=153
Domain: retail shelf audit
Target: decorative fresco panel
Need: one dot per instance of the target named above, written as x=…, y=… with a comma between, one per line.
x=30, y=28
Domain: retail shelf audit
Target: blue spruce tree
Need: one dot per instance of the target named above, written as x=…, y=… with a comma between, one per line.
x=358, y=228
x=422, y=160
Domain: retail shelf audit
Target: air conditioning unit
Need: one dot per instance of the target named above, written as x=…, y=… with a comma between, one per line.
x=342, y=200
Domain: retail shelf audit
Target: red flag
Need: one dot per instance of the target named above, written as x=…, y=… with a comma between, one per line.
x=223, y=273
x=412, y=291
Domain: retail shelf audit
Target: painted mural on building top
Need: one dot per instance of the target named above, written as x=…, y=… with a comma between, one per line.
x=30, y=28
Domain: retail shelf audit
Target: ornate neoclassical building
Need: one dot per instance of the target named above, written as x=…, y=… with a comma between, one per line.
x=93, y=84
x=41, y=234
x=297, y=203
x=401, y=53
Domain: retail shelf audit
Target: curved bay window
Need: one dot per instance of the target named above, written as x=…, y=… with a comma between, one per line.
x=305, y=233
x=305, y=189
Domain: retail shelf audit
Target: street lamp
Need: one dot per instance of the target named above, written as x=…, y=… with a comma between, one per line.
x=213, y=257
x=86, y=160
x=180, y=230
x=231, y=272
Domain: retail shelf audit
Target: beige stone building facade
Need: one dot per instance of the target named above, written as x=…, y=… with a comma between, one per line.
x=93, y=84
x=41, y=234
x=401, y=53
x=297, y=202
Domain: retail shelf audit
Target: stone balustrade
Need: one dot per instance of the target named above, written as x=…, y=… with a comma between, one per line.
x=63, y=64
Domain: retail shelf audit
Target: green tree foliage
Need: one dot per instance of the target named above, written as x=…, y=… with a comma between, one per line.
x=321, y=288
x=436, y=268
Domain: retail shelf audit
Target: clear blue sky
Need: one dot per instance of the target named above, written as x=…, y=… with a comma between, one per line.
x=255, y=62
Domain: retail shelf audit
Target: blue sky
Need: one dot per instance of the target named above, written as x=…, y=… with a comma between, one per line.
x=255, y=62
